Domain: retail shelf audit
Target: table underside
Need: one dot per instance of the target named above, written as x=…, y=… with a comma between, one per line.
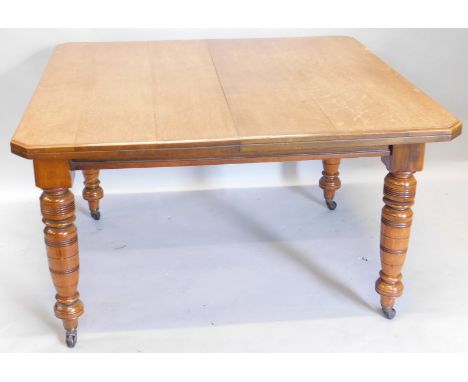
x=214, y=157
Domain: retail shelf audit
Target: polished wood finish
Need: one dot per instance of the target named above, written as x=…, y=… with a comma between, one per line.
x=186, y=103
x=399, y=194
x=60, y=233
x=113, y=164
x=58, y=212
x=146, y=100
x=405, y=158
x=92, y=192
x=330, y=181
x=53, y=173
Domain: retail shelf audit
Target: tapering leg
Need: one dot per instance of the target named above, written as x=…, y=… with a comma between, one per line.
x=92, y=192
x=58, y=211
x=58, y=214
x=399, y=194
x=330, y=182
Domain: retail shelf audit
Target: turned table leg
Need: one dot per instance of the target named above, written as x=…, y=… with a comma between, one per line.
x=330, y=182
x=58, y=212
x=92, y=192
x=399, y=193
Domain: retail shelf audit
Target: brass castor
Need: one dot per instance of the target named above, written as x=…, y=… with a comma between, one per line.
x=331, y=204
x=388, y=312
x=71, y=337
x=95, y=214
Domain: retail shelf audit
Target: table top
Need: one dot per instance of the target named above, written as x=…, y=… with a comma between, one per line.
x=130, y=96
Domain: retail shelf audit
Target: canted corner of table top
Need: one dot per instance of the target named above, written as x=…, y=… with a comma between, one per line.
x=144, y=99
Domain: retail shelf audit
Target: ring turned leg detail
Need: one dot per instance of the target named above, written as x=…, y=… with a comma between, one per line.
x=92, y=192
x=58, y=211
x=399, y=194
x=330, y=182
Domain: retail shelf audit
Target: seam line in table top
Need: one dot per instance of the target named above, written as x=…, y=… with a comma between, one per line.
x=207, y=44
x=152, y=79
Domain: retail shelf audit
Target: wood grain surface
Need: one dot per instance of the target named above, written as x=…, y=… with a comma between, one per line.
x=106, y=100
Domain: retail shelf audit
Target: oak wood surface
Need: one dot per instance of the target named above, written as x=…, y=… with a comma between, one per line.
x=397, y=215
x=145, y=163
x=92, y=191
x=60, y=234
x=147, y=100
x=330, y=180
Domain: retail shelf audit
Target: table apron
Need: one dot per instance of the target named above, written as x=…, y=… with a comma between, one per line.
x=356, y=152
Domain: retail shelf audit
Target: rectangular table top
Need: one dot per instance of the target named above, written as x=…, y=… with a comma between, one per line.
x=145, y=95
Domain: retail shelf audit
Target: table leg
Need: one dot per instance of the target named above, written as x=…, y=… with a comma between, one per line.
x=330, y=182
x=92, y=192
x=58, y=212
x=399, y=193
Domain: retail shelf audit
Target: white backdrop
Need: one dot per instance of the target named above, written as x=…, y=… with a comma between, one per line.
x=435, y=60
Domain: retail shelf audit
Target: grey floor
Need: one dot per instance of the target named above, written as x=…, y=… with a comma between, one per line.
x=259, y=269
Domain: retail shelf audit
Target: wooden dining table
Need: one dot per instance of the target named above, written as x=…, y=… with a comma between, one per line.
x=114, y=105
